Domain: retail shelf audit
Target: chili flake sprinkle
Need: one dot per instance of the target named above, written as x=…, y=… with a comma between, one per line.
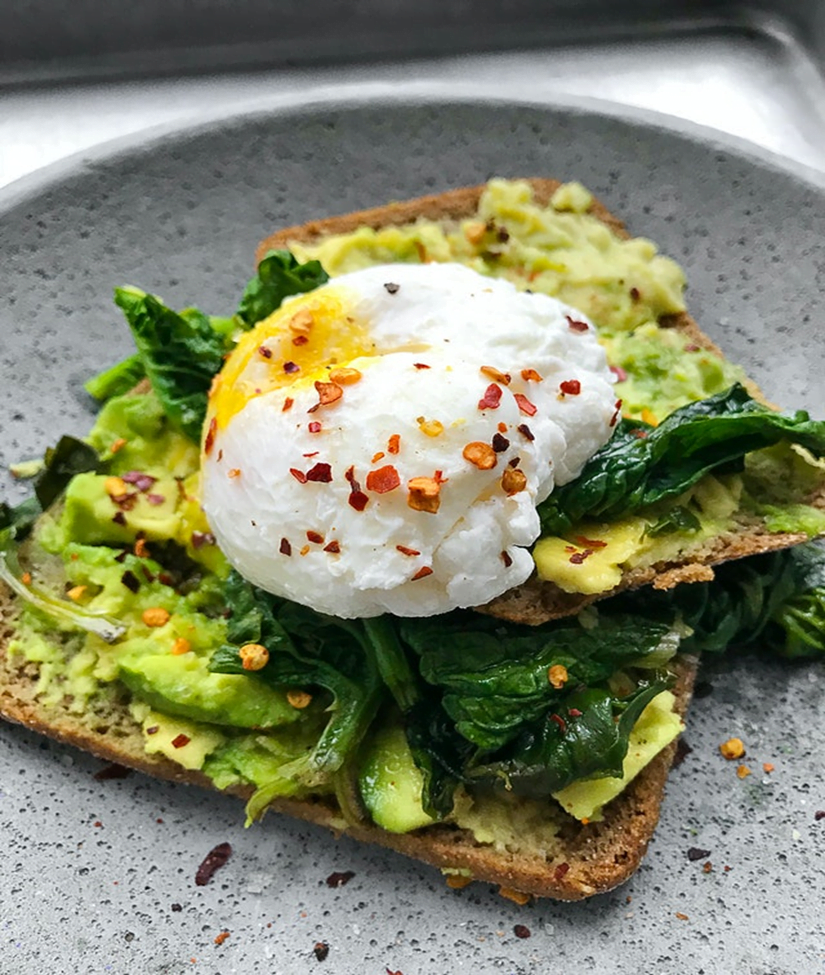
x=517, y=896
x=525, y=431
x=521, y=931
x=119, y=518
x=233, y=472
x=513, y=481
x=287, y=404
x=180, y=741
x=507, y=559
x=524, y=404
x=155, y=616
x=300, y=340
x=314, y=427
x=265, y=352
x=209, y=442
x=500, y=377
x=298, y=475
x=316, y=537
x=321, y=949
x=344, y=375
x=578, y=557
x=558, y=676
x=301, y=322
x=407, y=551
x=570, y=387
x=254, y=656
x=500, y=443
x=590, y=542
x=576, y=325
x=383, y=480
x=422, y=573
x=481, y=455
x=357, y=499
x=291, y=367
x=214, y=860
x=430, y=428
x=421, y=365
x=334, y=547
x=423, y=494
x=732, y=749
x=491, y=398
x=328, y=393
x=394, y=444
x=299, y=699
x=340, y=878
x=531, y=376
x=322, y=473
x=285, y=548
x=220, y=938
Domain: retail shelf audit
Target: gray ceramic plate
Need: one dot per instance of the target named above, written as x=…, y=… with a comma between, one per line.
x=99, y=876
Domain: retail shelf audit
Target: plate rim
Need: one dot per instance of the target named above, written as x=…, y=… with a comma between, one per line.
x=368, y=95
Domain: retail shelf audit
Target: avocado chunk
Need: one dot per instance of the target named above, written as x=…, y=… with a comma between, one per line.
x=391, y=783
x=183, y=686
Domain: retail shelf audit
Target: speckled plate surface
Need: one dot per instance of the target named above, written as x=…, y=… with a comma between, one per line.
x=98, y=876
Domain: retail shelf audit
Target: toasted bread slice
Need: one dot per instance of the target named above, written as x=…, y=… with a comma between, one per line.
x=582, y=860
x=536, y=601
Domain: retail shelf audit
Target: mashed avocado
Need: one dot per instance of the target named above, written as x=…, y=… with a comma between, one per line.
x=133, y=543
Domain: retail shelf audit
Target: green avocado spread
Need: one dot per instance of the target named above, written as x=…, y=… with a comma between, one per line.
x=132, y=543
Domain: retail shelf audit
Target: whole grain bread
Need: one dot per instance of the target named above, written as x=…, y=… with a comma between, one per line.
x=536, y=601
x=581, y=861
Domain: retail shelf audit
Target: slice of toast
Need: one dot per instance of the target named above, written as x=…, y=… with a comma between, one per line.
x=536, y=601
x=580, y=860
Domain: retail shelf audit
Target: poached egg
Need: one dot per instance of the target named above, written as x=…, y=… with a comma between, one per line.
x=380, y=444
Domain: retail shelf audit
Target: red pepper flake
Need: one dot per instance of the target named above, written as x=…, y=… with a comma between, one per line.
x=619, y=373
x=140, y=480
x=502, y=427
x=570, y=387
x=313, y=454
x=423, y=494
x=578, y=557
x=521, y=931
x=180, y=741
x=287, y=404
x=560, y=871
x=500, y=443
x=617, y=410
x=298, y=475
x=574, y=713
x=265, y=352
x=219, y=939
x=234, y=472
x=315, y=537
x=314, y=427
x=305, y=550
x=575, y=325
x=407, y=551
x=340, y=878
x=357, y=499
x=214, y=860
x=379, y=456
x=500, y=377
x=422, y=573
x=130, y=580
x=155, y=499
x=327, y=393
x=507, y=559
x=819, y=814
x=513, y=481
x=320, y=472
x=209, y=442
x=524, y=405
x=113, y=771
x=383, y=480
x=559, y=720
x=394, y=444
x=480, y=454
x=153, y=730
x=300, y=340
x=119, y=518
x=639, y=433
x=334, y=547
x=321, y=949
x=285, y=548
x=525, y=431
x=531, y=376
x=392, y=287
x=199, y=539
x=635, y=294
x=291, y=367
x=491, y=398
x=421, y=365
x=590, y=542
x=681, y=916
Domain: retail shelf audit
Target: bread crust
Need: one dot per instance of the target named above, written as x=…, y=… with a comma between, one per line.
x=535, y=601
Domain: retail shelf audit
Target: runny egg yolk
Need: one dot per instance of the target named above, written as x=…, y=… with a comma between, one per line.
x=294, y=347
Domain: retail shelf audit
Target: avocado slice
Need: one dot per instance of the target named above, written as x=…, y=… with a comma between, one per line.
x=391, y=783
x=183, y=686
